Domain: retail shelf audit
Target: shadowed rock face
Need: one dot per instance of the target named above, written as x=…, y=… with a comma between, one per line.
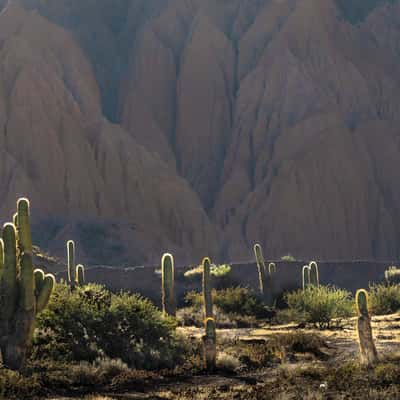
x=233, y=122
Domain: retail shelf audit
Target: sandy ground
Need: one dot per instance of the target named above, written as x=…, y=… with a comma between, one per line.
x=341, y=346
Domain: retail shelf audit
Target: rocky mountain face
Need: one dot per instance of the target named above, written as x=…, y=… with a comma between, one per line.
x=201, y=126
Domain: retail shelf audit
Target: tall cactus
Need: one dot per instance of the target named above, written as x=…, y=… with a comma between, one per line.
x=76, y=274
x=71, y=263
x=266, y=281
x=80, y=275
x=314, y=274
x=368, y=353
x=168, y=285
x=24, y=291
x=210, y=344
x=306, y=276
x=260, y=266
x=207, y=293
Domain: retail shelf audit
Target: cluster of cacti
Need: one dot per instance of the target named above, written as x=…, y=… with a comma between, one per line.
x=76, y=274
x=310, y=275
x=266, y=282
x=210, y=337
x=24, y=291
x=168, y=283
x=368, y=353
x=392, y=275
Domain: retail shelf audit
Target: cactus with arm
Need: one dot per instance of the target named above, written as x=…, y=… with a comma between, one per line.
x=24, y=291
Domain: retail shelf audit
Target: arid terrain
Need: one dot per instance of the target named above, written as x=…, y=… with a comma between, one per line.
x=199, y=127
x=297, y=375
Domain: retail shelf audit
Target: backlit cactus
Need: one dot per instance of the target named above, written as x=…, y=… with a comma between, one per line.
x=80, y=275
x=210, y=344
x=76, y=274
x=368, y=353
x=260, y=266
x=207, y=293
x=306, y=276
x=24, y=291
x=266, y=281
x=168, y=285
x=71, y=263
x=314, y=274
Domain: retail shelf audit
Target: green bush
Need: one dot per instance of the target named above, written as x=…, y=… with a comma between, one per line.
x=217, y=271
x=321, y=305
x=233, y=301
x=91, y=322
x=288, y=258
x=384, y=299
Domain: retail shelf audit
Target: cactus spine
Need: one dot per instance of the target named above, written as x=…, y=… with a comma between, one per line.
x=168, y=283
x=207, y=294
x=210, y=344
x=23, y=291
x=314, y=274
x=368, y=353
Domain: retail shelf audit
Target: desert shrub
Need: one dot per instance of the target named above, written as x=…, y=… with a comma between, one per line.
x=91, y=322
x=217, y=271
x=392, y=275
x=321, y=305
x=233, y=301
x=227, y=362
x=384, y=299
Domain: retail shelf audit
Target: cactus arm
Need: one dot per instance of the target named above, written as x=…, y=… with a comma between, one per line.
x=207, y=295
x=27, y=283
x=24, y=230
x=45, y=292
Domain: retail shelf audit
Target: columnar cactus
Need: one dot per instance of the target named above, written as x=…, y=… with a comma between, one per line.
x=71, y=263
x=168, y=283
x=306, y=276
x=210, y=344
x=265, y=276
x=314, y=274
x=207, y=294
x=24, y=291
x=76, y=274
x=260, y=266
x=80, y=275
x=368, y=353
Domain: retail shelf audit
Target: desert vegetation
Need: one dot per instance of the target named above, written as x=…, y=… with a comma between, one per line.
x=74, y=338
